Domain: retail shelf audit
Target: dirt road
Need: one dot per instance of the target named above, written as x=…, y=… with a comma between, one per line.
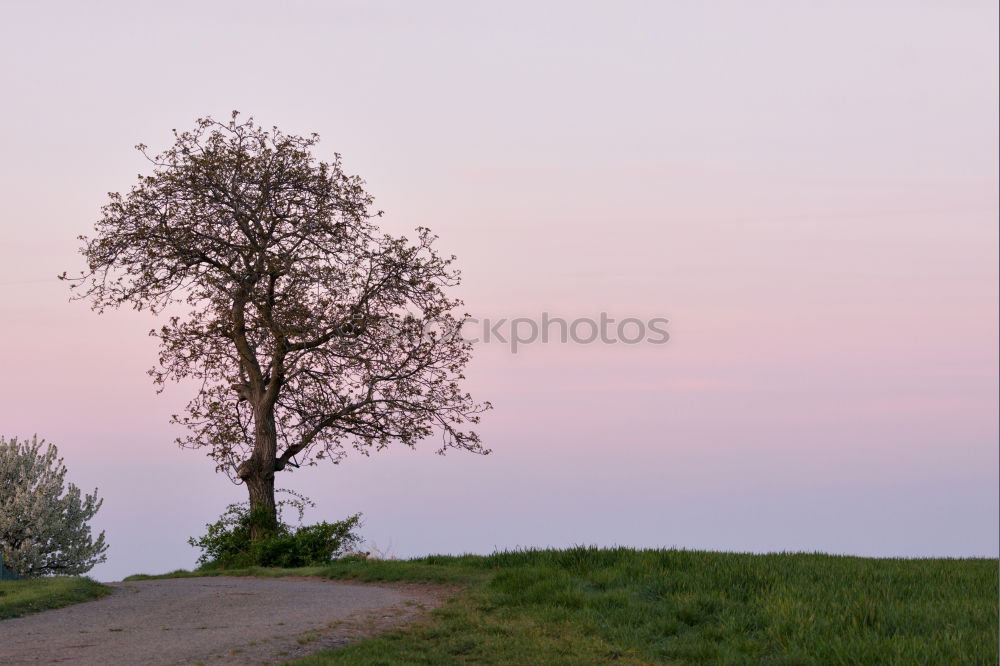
x=210, y=621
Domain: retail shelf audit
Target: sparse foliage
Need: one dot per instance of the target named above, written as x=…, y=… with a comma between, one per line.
x=308, y=330
x=43, y=523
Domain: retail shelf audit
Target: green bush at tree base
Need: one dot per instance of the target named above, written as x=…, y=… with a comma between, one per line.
x=227, y=544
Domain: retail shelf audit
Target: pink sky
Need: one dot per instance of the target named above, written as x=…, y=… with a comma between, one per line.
x=808, y=193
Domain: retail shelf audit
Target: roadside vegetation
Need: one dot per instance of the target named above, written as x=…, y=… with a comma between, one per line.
x=594, y=606
x=21, y=597
x=228, y=543
x=44, y=528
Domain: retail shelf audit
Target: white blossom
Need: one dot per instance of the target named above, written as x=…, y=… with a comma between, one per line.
x=43, y=525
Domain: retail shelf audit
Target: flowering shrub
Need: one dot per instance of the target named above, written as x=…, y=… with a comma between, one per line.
x=43, y=523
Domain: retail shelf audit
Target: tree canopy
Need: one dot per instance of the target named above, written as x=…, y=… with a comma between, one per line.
x=308, y=329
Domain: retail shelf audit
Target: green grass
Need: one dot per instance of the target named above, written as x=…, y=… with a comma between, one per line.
x=21, y=597
x=595, y=606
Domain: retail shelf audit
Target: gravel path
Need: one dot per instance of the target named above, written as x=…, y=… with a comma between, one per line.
x=210, y=621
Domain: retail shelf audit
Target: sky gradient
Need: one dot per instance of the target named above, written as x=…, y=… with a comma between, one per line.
x=807, y=191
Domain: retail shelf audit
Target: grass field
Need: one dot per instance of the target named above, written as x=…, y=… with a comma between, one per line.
x=597, y=606
x=20, y=597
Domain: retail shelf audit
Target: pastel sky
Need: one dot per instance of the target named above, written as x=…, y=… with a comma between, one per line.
x=807, y=191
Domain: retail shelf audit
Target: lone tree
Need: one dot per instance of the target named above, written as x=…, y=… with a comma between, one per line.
x=43, y=524
x=308, y=330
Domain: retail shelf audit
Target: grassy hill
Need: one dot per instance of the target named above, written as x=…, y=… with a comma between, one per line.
x=20, y=597
x=597, y=606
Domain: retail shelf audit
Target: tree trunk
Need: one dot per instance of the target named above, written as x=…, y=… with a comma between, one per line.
x=257, y=473
x=263, y=511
